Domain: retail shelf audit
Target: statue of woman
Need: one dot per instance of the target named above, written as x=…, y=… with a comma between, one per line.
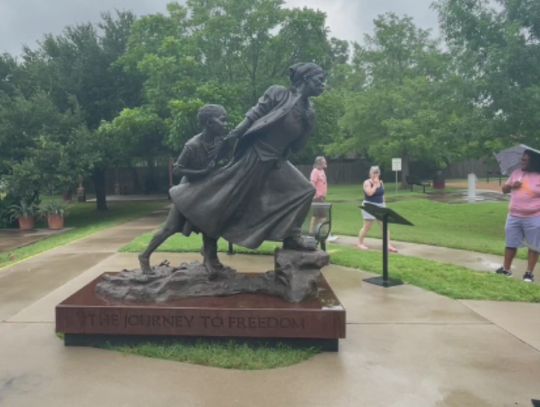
x=259, y=195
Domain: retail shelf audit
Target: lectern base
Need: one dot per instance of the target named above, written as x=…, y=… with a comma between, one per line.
x=381, y=282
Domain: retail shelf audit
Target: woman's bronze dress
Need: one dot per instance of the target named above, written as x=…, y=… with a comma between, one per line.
x=259, y=195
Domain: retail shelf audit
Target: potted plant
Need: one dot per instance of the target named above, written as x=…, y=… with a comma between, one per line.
x=55, y=212
x=25, y=212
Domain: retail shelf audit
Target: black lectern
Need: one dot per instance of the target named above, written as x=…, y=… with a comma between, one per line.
x=385, y=215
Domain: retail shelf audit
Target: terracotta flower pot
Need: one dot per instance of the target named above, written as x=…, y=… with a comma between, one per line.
x=26, y=222
x=56, y=222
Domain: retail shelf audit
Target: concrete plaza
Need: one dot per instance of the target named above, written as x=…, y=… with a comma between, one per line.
x=405, y=346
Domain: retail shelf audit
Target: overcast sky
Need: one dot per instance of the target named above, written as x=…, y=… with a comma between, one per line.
x=25, y=21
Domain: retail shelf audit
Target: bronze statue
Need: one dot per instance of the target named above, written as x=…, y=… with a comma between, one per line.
x=197, y=160
x=259, y=195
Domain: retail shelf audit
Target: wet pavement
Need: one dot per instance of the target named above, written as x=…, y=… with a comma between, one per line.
x=405, y=346
x=481, y=184
x=11, y=239
x=150, y=197
x=461, y=197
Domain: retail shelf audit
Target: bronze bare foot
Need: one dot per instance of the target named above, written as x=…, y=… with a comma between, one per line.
x=145, y=265
x=213, y=269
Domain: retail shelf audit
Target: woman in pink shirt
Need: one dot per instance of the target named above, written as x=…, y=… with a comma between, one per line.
x=523, y=222
x=318, y=179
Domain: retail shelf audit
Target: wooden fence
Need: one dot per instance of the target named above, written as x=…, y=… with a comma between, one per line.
x=346, y=172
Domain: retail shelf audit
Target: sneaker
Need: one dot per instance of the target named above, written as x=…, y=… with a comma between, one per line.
x=528, y=277
x=332, y=238
x=504, y=272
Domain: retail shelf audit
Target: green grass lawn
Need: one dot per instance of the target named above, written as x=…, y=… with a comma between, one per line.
x=225, y=356
x=229, y=355
x=86, y=220
x=456, y=282
x=476, y=227
x=446, y=279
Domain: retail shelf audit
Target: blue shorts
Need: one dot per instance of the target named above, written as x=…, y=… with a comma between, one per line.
x=522, y=232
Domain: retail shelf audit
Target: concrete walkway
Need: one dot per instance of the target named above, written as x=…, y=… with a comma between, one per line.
x=473, y=260
x=404, y=347
x=11, y=239
x=135, y=197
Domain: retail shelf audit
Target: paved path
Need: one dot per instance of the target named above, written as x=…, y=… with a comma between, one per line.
x=405, y=346
x=135, y=197
x=11, y=239
x=473, y=260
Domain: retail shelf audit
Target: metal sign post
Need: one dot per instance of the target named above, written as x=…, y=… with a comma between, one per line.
x=386, y=216
x=396, y=166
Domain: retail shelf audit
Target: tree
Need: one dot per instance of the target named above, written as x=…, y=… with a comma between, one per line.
x=221, y=51
x=399, y=102
x=41, y=147
x=80, y=64
x=138, y=135
x=329, y=108
x=498, y=52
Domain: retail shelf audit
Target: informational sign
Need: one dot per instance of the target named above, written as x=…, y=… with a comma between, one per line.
x=396, y=167
x=396, y=164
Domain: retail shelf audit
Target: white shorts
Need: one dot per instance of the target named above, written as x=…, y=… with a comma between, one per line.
x=366, y=215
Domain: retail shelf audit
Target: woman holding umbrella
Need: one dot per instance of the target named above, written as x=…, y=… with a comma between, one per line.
x=523, y=222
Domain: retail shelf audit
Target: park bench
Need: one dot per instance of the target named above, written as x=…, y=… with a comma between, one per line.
x=321, y=229
x=413, y=180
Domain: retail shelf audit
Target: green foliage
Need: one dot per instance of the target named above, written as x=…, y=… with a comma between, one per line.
x=224, y=52
x=136, y=133
x=405, y=102
x=226, y=356
x=128, y=89
x=23, y=209
x=6, y=218
x=329, y=108
x=71, y=83
x=40, y=146
x=80, y=63
x=58, y=208
x=497, y=50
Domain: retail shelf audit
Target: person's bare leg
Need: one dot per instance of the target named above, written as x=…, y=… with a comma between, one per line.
x=363, y=232
x=315, y=221
x=170, y=228
x=509, y=255
x=532, y=260
x=313, y=224
x=390, y=247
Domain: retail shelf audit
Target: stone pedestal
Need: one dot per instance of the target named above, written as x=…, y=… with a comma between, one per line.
x=87, y=319
x=291, y=304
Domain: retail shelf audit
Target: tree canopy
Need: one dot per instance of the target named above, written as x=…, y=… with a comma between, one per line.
x=127, y=90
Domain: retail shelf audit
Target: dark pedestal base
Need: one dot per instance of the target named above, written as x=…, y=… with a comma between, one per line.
x=380, y=282
x=325, y=345
x=87, y=319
